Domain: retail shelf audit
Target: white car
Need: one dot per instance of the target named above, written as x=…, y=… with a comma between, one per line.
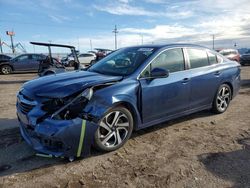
x=87, y=59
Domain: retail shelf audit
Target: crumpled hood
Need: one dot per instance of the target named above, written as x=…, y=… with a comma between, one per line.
x=65, y=84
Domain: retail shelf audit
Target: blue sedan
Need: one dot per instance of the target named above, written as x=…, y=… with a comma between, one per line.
x=132, y=88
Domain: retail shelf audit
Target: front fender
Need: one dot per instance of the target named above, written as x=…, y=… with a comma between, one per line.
x=107, y=98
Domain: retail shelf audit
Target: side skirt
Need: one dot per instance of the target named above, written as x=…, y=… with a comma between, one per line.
x=167, y=118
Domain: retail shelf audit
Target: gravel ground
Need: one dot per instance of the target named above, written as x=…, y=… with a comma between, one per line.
x=200, y=150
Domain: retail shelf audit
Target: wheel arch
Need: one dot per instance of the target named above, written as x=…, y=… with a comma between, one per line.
x=12, y=68
x=131, y=108
x=231, y=87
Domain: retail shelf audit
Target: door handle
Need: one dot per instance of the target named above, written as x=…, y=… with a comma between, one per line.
x=185, y=80
x=217, y=73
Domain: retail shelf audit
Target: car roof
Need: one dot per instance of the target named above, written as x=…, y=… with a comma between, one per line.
x=170, y=45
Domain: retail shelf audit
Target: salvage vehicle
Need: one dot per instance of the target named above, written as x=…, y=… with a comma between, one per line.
x=245, y=58
x=132, y=88
x=231, y=54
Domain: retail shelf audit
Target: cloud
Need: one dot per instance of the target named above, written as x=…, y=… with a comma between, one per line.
x=124, y=9
x=59, y=18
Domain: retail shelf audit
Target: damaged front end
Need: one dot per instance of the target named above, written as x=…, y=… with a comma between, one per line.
x=57, y=126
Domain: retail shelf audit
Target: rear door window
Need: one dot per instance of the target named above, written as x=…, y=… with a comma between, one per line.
x=197, y=58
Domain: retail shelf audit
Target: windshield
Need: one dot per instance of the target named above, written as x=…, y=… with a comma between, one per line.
x=123, y=62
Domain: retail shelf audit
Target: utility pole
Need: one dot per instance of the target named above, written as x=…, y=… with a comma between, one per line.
x=115, y=31
x=142, y=39
x=34, y=48
x=1, y=46
x=90, y=42
x=78, y=43
x=11, y=34
x=213, y=41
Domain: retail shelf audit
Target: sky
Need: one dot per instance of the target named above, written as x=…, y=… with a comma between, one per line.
x=89, y=23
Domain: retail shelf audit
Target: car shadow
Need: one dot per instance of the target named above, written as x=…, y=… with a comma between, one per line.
x=232, y=166
x=157, y=127
x=245, y=83
x=13, y=81
x=16, y=155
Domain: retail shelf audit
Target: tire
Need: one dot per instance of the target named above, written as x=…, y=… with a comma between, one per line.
x=71, y=63
x=6, y=69
x=222, y=99
x=115, y=128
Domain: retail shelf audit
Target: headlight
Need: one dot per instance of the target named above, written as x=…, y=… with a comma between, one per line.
x=87, y=93
x=73, y=107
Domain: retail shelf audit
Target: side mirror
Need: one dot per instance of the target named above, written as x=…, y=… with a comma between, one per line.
x=159, y=73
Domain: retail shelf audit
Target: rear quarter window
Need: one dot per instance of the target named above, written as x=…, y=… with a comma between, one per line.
x=219, y=59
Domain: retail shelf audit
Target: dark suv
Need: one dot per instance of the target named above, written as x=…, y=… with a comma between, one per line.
x=24, y=62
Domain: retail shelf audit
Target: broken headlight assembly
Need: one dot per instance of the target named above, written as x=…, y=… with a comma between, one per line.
x=70, y=108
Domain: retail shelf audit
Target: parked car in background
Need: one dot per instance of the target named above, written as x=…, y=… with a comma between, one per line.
x=87, y=59
x=21, y=63
x=231, y=54
x=132, y=88
x=101, y=53
x=4, y=57
x=245, y=58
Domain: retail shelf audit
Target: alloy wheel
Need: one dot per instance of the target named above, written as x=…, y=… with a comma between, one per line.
x=6, y=70
x=113, y=129
x=223, y=98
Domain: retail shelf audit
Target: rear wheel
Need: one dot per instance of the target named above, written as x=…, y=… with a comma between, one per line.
x=222, y=99
x=114, y=129
x=6, y=69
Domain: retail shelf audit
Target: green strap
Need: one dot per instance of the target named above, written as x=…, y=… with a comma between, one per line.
x=79, y=151
x=44, y=155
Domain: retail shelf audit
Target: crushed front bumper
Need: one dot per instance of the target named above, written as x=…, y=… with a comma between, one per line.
x=61, y=138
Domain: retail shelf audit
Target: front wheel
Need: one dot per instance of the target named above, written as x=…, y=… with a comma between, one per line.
x=222, y=99
x=6, y=69
x=114, y=129
x=71, y=63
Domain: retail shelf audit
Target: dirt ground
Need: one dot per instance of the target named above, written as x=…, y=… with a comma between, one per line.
x=200, y=150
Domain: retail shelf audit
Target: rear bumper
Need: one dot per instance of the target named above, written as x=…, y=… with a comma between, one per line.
x=62, y=138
